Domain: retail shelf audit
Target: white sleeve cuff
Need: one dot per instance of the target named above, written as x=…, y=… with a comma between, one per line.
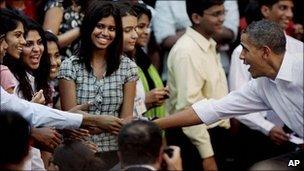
x=205, y=112
x=267, y=127
x=74, y=120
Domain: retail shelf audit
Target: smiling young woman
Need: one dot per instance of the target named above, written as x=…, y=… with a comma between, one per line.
x=100, y=74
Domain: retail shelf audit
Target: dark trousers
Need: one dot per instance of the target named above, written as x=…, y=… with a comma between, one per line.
x=191, y=158
x=254, y=146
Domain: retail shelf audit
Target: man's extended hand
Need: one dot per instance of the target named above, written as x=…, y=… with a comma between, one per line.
x=103, y=122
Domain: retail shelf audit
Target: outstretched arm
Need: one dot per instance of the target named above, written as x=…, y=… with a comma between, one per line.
x=183, y=118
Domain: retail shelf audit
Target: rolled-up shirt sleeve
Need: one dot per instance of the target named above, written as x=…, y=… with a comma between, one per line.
x=38, y=115
x=240, y=102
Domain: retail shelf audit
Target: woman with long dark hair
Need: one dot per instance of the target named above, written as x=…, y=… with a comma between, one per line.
x=12, y=29
x=100, y=74
x=55, y=59
x=156, y=93
x=33, y=67
x=129, y=24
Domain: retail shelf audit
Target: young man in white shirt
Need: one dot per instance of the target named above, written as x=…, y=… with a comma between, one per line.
x=279, y=84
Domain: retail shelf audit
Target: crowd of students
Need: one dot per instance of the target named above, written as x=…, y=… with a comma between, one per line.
x=110, y=61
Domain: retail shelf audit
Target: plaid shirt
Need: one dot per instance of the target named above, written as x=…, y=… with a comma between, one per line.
x=106, y=93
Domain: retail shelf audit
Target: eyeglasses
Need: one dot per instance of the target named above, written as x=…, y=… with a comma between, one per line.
x=217, y=14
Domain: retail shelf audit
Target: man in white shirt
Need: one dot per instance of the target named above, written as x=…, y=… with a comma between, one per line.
x=281, y=13
x=279, y=84
x=268, y=123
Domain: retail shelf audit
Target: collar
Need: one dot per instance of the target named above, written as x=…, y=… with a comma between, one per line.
x=285, y=72
x=139, y=165
x=204, y=43
x=30, y=77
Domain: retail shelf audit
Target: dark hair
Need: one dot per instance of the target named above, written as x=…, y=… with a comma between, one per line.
x=267, y=33
x=95, y=12
x=125, y=9
x=50, y=37
x=74, y=155
x=41, y=74
x=141, y=9
x=252, y=12
x=139, y=142
x=9, y=20
x=16, y=133
x=199, y=6
x=268, y=3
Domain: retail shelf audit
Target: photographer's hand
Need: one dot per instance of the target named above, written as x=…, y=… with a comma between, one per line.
x=175, y=162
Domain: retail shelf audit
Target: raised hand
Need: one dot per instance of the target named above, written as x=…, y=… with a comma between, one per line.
x=174, y=162
x=156, y=97
x=38, y=97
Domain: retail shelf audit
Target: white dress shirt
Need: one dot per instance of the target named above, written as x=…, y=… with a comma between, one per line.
x=239, y=76
x=38, y=115
x=284, y=96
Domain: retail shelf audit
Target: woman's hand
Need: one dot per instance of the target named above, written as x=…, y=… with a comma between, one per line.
x=38, y=97
x=46, y=138
x=156, y=97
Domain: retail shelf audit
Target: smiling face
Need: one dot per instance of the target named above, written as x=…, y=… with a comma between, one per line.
x=253, y=56
x=33, y=50
x=15, y=41
x=143, y=30
x=280, y=12
x=129, y=24
x=104, y=33
x=53, y=54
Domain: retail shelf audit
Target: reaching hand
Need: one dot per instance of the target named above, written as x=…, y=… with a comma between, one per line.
x=109, y=123
x=38, y=97
x=156, y=97
x=46, y=138
x=278, y=136
x=175, y=162
x=91, y=146
x=82, y=107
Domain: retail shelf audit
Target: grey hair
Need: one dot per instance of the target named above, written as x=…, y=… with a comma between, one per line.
x=267, y=33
